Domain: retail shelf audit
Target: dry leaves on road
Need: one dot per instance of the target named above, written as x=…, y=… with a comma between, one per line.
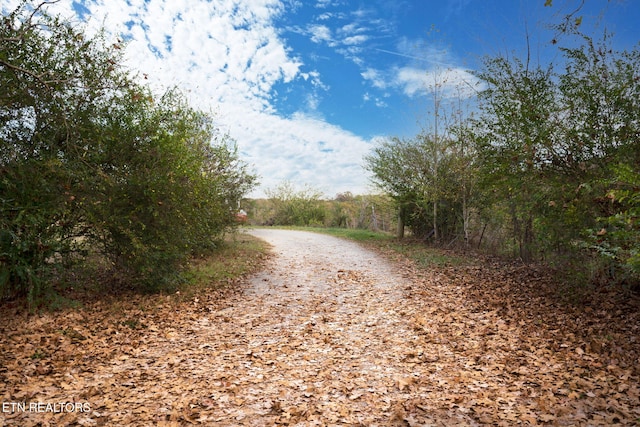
x=342, y=339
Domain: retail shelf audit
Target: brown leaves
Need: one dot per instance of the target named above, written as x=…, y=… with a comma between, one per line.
x=320, y=345
x=511, y=351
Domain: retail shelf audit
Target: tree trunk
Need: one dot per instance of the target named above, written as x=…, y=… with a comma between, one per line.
x=527, y=241
x=465, y=217
x=435, y=221
x=400, y=233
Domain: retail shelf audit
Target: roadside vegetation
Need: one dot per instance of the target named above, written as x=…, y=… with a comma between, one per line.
x=97, y=172
x=541, y=164
x=545, y=169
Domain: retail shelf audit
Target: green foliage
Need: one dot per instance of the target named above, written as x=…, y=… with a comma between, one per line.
x=347, y=211
x=365, y=212
x=91, y=160
x=44, y=64
x=515, y=141
x=549, y=165
x=553, y=148
x=166, y=193
x=428, y=179
x=617, y=237
x=296, y=207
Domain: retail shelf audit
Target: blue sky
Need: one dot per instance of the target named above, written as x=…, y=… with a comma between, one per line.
x=308, y=87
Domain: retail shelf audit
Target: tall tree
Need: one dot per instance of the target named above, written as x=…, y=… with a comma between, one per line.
x=600, y=149
x=518, y=109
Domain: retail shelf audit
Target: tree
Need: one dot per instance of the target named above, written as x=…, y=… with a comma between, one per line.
x=372, y=212
x=165, y=190
x=392, y=174
x=561, y=149
x=463, y=169
x=53, y=80
x=601, y=92
x=418, y=173
x=90, y=158
x=296, y=207
x=517, y=125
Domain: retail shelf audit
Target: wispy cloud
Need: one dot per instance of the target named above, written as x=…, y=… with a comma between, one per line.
x=228, y=57
x=323, y=4
x=424, y=67
x=320, y=33
x=450, y=82
x=346, y=32
x=355, y=40
x=378, y=102
x=375, y=77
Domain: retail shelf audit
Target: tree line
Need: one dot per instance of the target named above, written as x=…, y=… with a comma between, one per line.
x=95, y=169
x=546, y=167
x=287, y=205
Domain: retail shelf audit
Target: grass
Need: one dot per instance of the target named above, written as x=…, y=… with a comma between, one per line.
x=365, y=236
x=240, y=254
x=425, y=256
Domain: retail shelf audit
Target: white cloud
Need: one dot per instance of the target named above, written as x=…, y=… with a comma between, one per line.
x=412, y=80
x=449, y=82
x=227, y=57
x=323, y=4
x=324, y=155
x=347, y=39
x=355, y=40
x=320, y=33
x=315, y=79
x=375, y=78
x=367, y=97
x=429, y=68
x=352, y=28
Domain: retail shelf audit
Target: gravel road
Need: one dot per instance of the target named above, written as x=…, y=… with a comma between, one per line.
x=309, y=263
x=327, y=334
x=327, y=321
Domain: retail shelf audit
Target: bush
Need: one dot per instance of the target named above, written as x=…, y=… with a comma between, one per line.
x=302, y=208
x=91, y=159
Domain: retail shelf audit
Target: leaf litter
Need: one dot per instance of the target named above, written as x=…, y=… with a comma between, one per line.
x=331, y=334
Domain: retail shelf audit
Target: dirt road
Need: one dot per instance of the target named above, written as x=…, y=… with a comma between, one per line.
x=320, y=337
x=328, y=334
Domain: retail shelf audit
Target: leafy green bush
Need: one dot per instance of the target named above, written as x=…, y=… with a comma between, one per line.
x=301, y=208
x=92, y=161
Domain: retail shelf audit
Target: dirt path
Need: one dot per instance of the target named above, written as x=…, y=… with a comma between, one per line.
x=328, y=330
x=320, y=337
x=328, y=334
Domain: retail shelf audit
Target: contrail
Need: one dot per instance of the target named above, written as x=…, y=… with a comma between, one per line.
x=404, y=55
x=401, y=54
